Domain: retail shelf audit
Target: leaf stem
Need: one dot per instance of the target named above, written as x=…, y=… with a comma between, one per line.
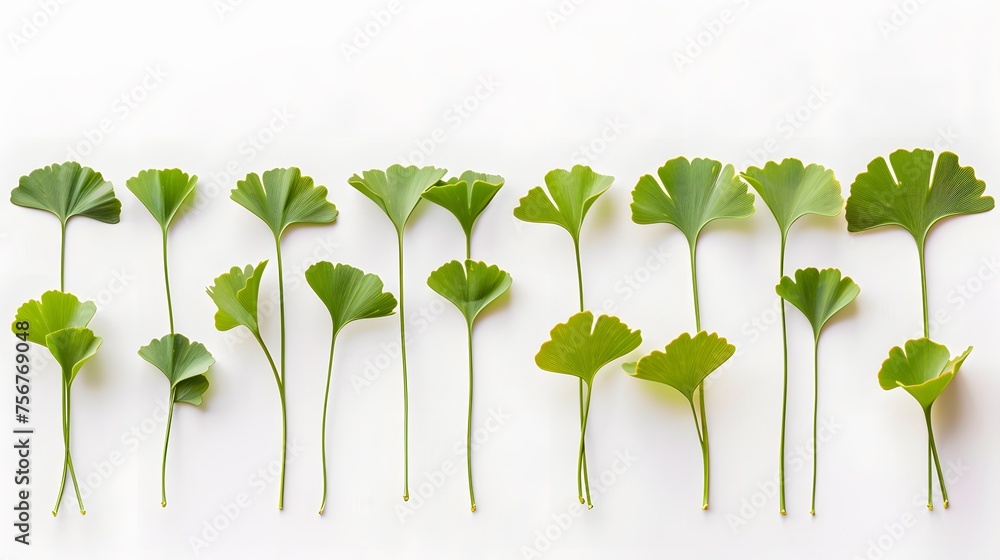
x=62, y=258
x=468, y=246
x=701, y=388
x=700, y=428
x=62, y=483
x=468, y=428
x=69, y=454
x=166, y=281
x=581, y=457
x=923, y=289
x=281, y=305
x=406, y=394
x=937, y=462
x=812, y=509
x=284, y=422
x=784, y=386
x=326, y=399
x=582, y=477
x=166, y=441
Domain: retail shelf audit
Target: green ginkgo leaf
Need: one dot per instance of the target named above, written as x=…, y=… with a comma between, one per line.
x=177, y=358
x=923, y=368
x=68, y=190
x=470, y=286
x=693, y=193
x=792, y=190
x=285, y=197
x=54, y=311
x=162, y=192
x=572, y=194
x=72, y=347
x=397, y=190
x=235, y=293
x=349, y=295
x=818, y=294
x=581, y=347
x=191, y=390
x=466, y=197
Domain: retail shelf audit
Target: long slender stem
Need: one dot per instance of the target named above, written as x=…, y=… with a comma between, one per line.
x=166, y=281
x=406, y=393
x=69, y=454
x=923, y=289
x=582, y=477
x=468, y=246
x=326, y=399
x=937, y=462
x=62, y=481
x=812, y=509
x=784, y=387
x=281, y=314
x=704, y=451
x=62, y=258
x=468, y=428
x=581, y=457
x=701, y=388
x=166, y=441
x=284, y=421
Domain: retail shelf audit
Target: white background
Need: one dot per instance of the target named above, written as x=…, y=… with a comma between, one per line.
x=200, y=80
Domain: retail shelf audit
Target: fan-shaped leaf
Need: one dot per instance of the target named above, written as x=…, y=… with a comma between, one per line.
x=685, y=362
x=53, y=312
x=922, y=367
x=179, y=359
x=191, y=390
x=348, y=293
x=285, y=197
x=692, y=195
x=792, y=190
x=397, y=190
x=572, y=194
x=466, y=196
x=580, y=348
x=71, y=348
x=162, y=192
x=470, y=286
x=818, y=294
x=235, y=293
x=68, y=190
x=908, y=197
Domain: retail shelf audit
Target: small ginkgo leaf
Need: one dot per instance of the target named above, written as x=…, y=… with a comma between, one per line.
x=235, y=293
x=908, y=196
x=68, y=190
x=177, y=357
x=72, y=348
x=285, y=197
x=572, y=194
x=190, y=390
x=685, y=362
x=692, y=195
x=792, y=190
x=922, y=367
x=465, y=196
x=470, y=286
x=397, y=190
x=348, y=293
x=52, y=312
x=580, y=347
x=818, y=294
x=162, y=192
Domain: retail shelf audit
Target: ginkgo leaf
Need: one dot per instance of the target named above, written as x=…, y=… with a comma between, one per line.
x=348, y=293
x=572, y=194
x=397, y=190
x=792, y=190
x=692, y=195
x=71, y=348
x=470, y=286
x=54, y=311
x=818, y=294
x=177, y=357
x=580, y=347
x=235, y=293
x=465, y=196
x=922, y=367
x=191, y=390
x=68, y=190
x=685, y=362
x=285, y=197
x=162, y=192
x=910, y=197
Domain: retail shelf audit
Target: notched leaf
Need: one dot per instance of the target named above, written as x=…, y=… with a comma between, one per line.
x=465, y=196
x=572, y=194
x=162, y=192
x=397, y=190
x=922, y=367
x=791, y=190
x=685, y=362
x=818, y=294
x=470, y=286
x=348, y=293
x=52, y=312
x=283, y=198
x=581, y=347
x=67, y=190
x=235, y=293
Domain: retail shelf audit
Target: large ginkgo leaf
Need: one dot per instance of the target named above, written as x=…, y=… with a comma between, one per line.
x=465, y=196
x=162, y=192
x=685, y=362
x=580, y=347
x=922, y=367
x=180, y=360
x=68, y=190
x=792, y=190
x=572, y=194
x=397, y=190
x=470, y=286
x=348, y=293
x=52, y=312
x=235, y=293
x=818, y=294
x=71, y=348
x=285, y=197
